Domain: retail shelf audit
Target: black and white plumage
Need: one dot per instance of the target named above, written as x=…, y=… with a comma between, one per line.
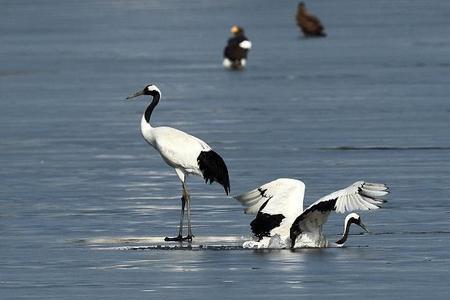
x=185, y=153
x=281, y=221
x=350, y=219
x=237, y=48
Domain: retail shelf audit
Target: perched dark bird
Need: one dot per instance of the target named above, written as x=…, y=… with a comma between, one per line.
x=309, y=24
x=185, y=153
x=236, y=50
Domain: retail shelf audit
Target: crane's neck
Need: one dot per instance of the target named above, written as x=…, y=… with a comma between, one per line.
x=146, y=128
x=344, y=237
x=151, y=107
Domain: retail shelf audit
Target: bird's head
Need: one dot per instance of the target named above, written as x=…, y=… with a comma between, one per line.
x=355, y=219
x=151, y=90
x=302, y=7
x=236, y=30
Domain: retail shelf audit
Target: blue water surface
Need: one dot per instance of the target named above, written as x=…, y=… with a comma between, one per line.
x=82, y=195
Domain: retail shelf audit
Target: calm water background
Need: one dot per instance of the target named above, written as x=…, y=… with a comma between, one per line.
x=78, y=183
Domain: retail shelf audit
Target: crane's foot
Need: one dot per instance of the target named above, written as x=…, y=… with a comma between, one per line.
x=179, y=238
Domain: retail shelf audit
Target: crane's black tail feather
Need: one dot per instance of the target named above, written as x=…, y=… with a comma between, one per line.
x=214, y=169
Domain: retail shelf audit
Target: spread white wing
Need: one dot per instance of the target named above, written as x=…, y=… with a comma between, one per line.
x=276, y=197
x=359, y=196
x=276, y=205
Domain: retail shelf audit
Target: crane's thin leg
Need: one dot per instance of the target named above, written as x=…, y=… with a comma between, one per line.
x=180, y=231
x=184, y=200
x=188, y=202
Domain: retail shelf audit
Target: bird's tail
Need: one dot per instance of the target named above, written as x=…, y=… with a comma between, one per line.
x=214, y=169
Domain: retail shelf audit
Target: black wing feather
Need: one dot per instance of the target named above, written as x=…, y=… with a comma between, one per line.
x=214, y=169
x=233, y=51
x=264, y=223
x=322, y=206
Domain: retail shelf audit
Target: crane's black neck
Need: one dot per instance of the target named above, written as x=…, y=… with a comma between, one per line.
x=151, y=107
x=346, y=232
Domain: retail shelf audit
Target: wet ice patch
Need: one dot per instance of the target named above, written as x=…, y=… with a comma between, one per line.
x=182, y=246
x=274, y=242
x=158, y=243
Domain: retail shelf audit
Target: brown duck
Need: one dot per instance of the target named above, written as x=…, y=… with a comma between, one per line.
x=309, y=24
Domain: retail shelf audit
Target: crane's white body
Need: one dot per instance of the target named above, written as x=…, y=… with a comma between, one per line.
x=284, y=197
x=177, y=148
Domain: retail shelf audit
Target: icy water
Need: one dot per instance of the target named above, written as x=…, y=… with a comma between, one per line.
x=84, y=201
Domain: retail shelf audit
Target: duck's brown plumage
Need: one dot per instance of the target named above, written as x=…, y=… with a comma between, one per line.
x=309, y=24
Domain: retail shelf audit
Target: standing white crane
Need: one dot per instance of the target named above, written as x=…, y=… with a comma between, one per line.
x=281, y=221
x=183, y=152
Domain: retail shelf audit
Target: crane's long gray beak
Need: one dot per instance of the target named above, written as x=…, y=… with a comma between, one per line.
x=363, y=226
x=137, y=94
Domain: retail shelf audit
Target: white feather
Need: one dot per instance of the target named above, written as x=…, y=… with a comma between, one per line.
x=285, y=196
x=167, y=141
x=245, y=44
x=152, y=88
x=358, y=196
x=227, y=63
x=282, y=196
